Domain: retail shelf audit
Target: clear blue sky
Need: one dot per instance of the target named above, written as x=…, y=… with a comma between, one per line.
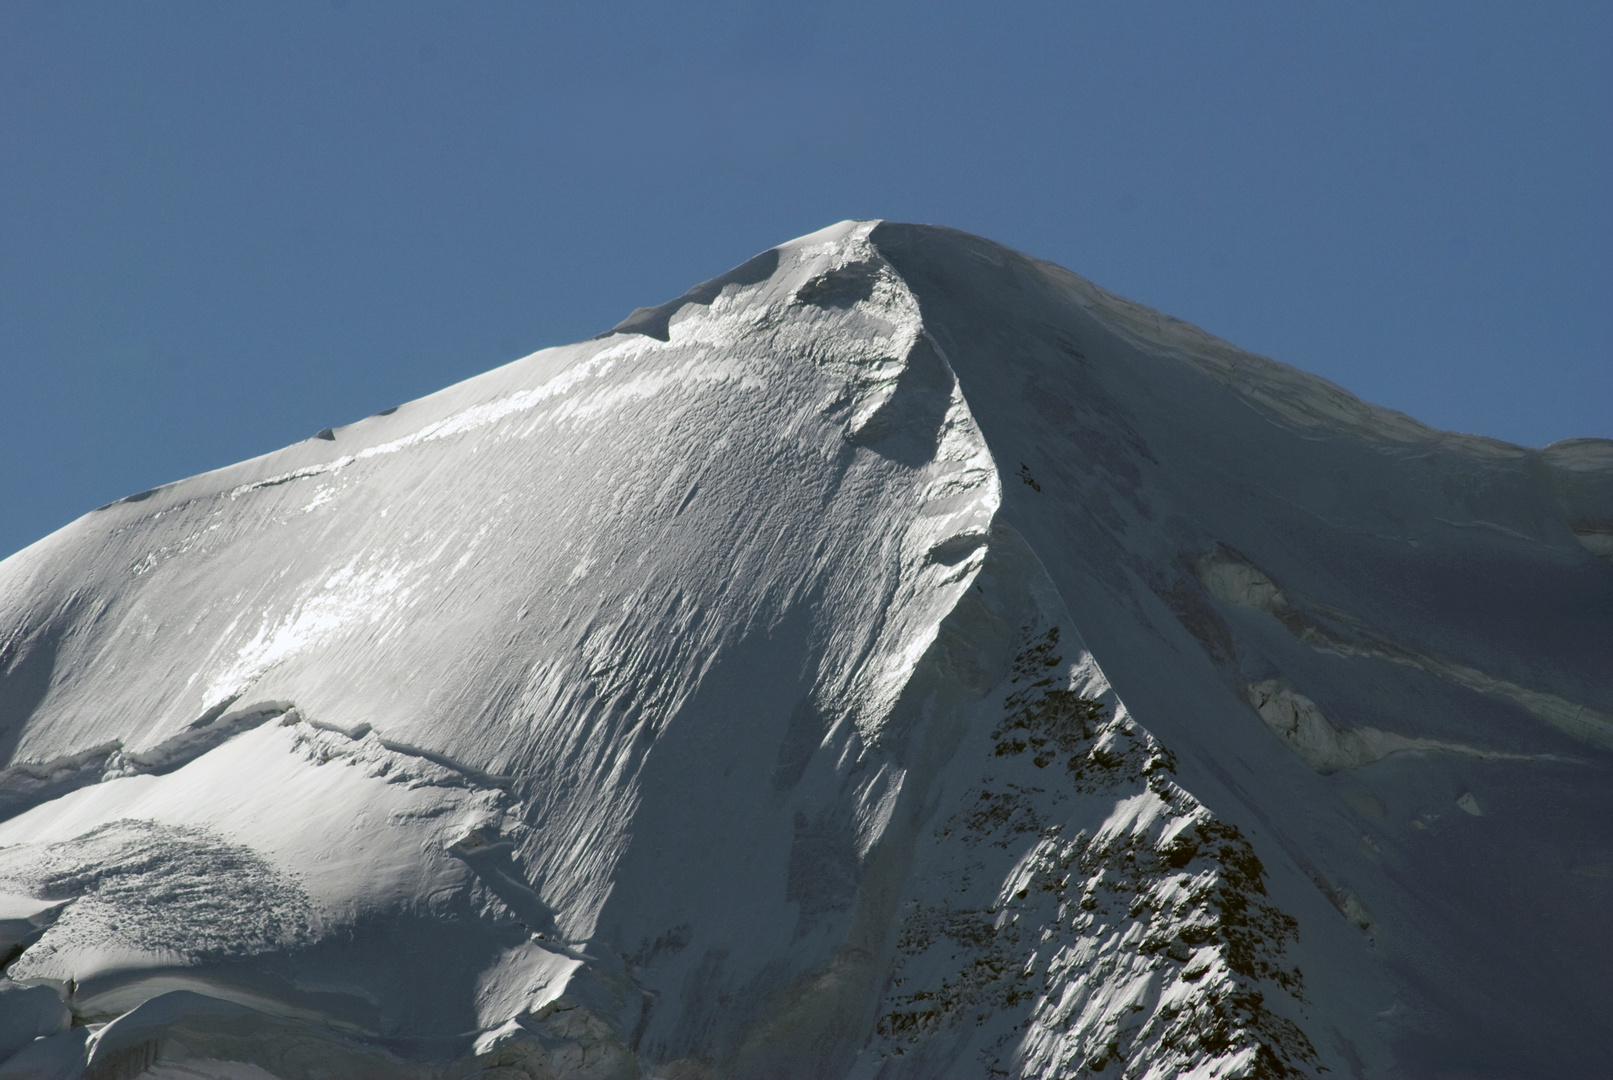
x=225, y=226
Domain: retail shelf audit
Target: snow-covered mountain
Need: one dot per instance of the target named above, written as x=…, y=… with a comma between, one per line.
x=895, y=658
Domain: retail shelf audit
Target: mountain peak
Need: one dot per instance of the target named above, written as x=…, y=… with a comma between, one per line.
x=897, y=656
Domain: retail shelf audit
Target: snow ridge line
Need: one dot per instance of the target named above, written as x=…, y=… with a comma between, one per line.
x=25, y=785
x=1156, y=961
x=28, y=784
x=1084, y=912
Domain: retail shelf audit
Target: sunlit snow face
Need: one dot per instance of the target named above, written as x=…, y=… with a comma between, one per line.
x=353, y=595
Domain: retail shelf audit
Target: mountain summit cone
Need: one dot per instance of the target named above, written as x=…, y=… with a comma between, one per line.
x=895, y=658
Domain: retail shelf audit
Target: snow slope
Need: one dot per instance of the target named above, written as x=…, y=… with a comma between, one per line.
x=895, y=658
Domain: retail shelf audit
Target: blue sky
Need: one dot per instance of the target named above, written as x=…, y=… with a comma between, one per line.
x=226, y=226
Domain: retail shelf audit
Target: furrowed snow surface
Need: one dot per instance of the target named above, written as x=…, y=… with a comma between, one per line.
x=895, y=658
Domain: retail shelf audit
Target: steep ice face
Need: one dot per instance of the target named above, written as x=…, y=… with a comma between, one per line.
x=895, y=657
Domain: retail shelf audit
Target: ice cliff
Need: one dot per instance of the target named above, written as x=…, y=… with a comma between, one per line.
x=895, y=658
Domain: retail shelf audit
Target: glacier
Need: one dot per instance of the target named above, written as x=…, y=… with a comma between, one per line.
x=896, y=658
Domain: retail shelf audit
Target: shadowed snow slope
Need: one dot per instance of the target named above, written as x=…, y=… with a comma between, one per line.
x=895, y=658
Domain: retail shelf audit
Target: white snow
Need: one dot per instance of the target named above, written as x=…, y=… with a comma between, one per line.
x=897, y=657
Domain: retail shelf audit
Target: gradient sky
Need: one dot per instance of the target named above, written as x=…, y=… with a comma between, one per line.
x=226, y=226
